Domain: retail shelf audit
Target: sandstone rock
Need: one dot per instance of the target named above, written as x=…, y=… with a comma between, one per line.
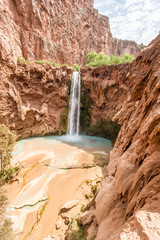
x=86, y=218
x=67, y=218
x=48, y=238
x=127, y=204
x=146, y=225
x=58, y=224
x=68, y=205
x=34, y=98
x=60, y=31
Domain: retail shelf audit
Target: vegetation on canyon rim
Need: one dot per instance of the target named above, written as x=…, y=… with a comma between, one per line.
x=97, y=60
x=92, y=60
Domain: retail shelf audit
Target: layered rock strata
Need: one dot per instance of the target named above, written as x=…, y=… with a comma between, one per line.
x=121, y=47
x=33, y=97
x=108, y=87
x=127, y=204
x=60, y=31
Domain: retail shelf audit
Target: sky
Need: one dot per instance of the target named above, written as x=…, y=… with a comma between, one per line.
x=137, y=20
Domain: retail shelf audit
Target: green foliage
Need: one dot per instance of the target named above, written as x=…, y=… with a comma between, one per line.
x=77, y=231
x=6, y=232
x=42, y=61
x=8, y=173
x=96, y=60
x=63, y=121
x=91, y=57
x=76, y=67
x=127, y=58
x=93, y=237
x=86, y=106
x=106, y=129
x=7, y=141
x=23, y=60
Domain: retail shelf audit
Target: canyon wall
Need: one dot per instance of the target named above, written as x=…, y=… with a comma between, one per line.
x=34, y=98
x=125, y=46
x=63, y=31
x=127, y=205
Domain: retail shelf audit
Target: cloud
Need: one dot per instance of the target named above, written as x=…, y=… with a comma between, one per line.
x=136, y=20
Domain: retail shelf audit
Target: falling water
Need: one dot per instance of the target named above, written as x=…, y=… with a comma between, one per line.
x=74, y=105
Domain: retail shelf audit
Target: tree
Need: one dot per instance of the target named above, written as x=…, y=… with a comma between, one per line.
x=7, y=141
x=91, y=57
x=127, y=58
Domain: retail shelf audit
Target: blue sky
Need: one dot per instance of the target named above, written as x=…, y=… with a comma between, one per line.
x=137, y=20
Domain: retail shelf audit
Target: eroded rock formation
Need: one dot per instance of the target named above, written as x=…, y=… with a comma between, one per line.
x=60, y=31
x=108, y=87
x=128, y=47
x=127, y=204
x=33, y=97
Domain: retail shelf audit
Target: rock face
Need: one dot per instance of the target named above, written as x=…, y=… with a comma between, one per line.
x=124, y=46
x=127, y=205
x=33, y=97
x=62, y=31
x=109, y=87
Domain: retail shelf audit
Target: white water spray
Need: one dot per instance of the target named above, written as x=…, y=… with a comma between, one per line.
x=74, y=105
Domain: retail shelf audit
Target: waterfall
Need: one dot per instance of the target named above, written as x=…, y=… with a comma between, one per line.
x=74, y=105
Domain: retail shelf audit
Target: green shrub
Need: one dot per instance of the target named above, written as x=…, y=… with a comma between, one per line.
x=23, y=60
x=42, y=61
x=86, y=106
x=96, y=60
x=63, y=121
x=127, y=58
x=76, y=67
x=91, y=57
x=7, y=141
x=8, y=173
x=6, y=232
x=106, y=129
x=77, y=231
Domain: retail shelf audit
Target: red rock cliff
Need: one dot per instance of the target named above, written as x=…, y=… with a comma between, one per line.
x=63, y=31
x=33, y=98
x=127, y=204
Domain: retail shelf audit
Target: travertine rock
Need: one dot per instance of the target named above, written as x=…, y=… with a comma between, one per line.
x=68, y=205
x=85, y=218
x=63, y=31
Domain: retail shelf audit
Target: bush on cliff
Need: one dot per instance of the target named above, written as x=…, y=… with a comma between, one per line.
x=23, y=60
x=7, y=141
x=6, y=232
x=97, y=60
x=76, y=67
